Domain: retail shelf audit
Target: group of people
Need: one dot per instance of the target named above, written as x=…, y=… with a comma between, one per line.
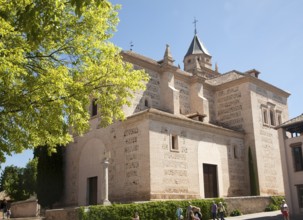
x=194, y=213
x=5, y=209
x=217, y=211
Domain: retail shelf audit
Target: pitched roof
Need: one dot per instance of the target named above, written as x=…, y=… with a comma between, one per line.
x=293, y=125
x=197, y=47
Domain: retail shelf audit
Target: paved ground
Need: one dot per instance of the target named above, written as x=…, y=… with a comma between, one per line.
x=275, y=215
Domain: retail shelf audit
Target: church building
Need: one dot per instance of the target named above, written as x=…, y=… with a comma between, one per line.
x=192, y=134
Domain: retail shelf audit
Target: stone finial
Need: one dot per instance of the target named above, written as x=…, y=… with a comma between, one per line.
x=216, y=68
x=168, y=58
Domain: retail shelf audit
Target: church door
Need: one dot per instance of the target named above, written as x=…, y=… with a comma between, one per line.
x=92, y=184
x=210, y=180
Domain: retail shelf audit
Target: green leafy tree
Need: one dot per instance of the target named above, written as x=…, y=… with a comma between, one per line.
x=19, y=183
x=55, y=56
x=50, y=178
x=30, y=176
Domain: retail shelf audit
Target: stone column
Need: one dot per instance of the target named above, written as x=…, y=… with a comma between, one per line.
x=105, y=200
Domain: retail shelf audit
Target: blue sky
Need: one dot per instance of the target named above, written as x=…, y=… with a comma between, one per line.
x=266, y=35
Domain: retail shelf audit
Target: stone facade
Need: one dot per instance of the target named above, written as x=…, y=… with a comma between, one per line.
x=291, y=144
x=186, y=137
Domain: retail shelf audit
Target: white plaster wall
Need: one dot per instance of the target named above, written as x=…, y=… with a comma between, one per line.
x=90, y=165
x=209, y=153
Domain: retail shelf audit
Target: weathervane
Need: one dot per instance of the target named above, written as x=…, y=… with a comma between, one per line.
x=195, y=23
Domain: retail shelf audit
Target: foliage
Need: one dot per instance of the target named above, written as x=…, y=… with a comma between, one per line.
x=19, y=183
x=254, y=189
x=30, y=176
x=50, y=178
x=55, y=56
x=275, y=203
x=235, y=212
x=148, y=210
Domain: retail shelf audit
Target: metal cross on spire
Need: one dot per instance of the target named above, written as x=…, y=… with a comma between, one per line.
x=195, y=23
x=131, y=44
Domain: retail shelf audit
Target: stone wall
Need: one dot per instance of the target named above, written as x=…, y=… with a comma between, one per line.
x=27, y=208
x=246, y=205
x=62, y=214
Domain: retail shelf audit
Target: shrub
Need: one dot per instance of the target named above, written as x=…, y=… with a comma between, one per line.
x=275, y=203
x=149, y=210
x=235, y=213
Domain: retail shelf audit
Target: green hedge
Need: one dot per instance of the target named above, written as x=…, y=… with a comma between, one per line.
x=147, y=211
x=275, y=204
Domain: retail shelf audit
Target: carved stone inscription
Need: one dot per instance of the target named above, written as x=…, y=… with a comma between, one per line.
x=152, y=92
x=236, y=170
x=183, y=96
x=269, y=170
x=230, y=108
x=132, y=163
x=175, y=176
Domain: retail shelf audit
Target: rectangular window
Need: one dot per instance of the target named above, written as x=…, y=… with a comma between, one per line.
x=279, y=117
x=272, y=117
x=264, y=116
x=297, y=157
x=174, y=143
x=300, y=195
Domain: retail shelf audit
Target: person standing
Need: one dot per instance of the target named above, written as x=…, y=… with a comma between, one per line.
x=179, y=213
x=221, y=210
x=8, y=213
x=4, y=207
x=136, y=216
x=197, y=213
x=214, y=209
x=284, y=210
x=188, y=211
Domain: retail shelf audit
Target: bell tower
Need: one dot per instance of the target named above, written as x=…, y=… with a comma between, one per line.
x=197, y=55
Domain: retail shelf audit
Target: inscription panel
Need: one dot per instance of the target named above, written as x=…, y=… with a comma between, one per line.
x=237, y=175
x=152, y=93
x=175, y=168
x=269, y=166
x=132, y=164
x=184, y=98
x=230, y=108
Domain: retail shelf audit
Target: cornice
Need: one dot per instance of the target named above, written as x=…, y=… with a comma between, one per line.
x=183, y=121
x=254, y=80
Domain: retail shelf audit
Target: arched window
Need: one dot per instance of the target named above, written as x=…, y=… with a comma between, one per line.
x=146, y=104
x=94, y=107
